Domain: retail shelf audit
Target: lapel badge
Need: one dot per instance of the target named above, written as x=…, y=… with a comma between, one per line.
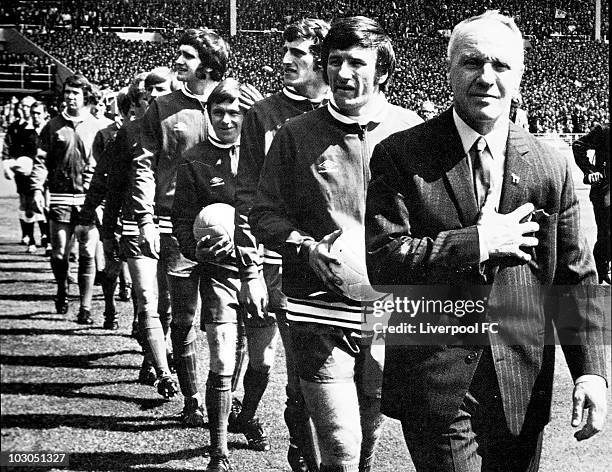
x=515, y=178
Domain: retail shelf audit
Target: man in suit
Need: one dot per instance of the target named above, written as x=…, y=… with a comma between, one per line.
x=443, y=209
x=597, y=175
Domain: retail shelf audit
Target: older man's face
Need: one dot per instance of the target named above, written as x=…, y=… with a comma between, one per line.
x=485, y=73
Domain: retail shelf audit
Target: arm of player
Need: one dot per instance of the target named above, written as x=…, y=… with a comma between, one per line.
x=185, y=208
x=269, y=218
x=252, y=155
x=142, y=181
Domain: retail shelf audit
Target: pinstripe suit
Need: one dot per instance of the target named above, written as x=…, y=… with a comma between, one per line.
x=420, y=229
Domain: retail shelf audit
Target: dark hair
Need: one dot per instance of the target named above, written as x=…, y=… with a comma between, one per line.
x=38, y=104
x=79, y=81
x=227, y=90
x=212, y=50
x=308, y=28
x=157, y=76
x=364, y=32
x=125, y=99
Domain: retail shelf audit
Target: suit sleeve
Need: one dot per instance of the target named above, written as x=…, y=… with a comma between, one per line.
x=579, y=314
x=142, y=180
x=395, y=254
x=269, y=218
x=252, y=155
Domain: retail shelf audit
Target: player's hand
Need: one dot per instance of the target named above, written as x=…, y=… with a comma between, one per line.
x=321, y=261
x=253, y=296
x=35, y=204
x=505, y=235
x=248, y=96
x=208, y=250
x=149, y=240
x=594, y=178
x=589, y=396
x=81, y=232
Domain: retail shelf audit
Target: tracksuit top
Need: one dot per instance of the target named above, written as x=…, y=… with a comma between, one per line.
x=172, y=125
x=260, y=125
x=68, y=166
x=103, y=153
x=314, y=181
x=119, y=203
x=206, y=176
x=21, y=140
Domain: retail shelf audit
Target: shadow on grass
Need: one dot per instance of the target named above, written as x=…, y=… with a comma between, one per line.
x=70, y=390
x=31, y=270
x=34, y=316
x=80, y=361
x=29, y=282
x=77, y=331
x=26, y=297
x=126, y=424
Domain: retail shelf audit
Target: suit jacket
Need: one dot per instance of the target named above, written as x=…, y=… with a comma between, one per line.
x=421, y=230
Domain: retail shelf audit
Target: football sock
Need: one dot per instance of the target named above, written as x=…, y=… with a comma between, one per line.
x=255, y=384
x=218, y=406
x=60, y=272
x=185, y=358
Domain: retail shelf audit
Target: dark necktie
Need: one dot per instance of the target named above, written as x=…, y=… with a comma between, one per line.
x=481, y=167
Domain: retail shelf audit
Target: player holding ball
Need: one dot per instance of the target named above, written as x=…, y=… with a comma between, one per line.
x=207, y=179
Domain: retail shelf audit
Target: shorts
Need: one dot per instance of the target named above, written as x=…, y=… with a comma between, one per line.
x=272, y=273
x=67, y=214
x=219, y=288
x=219, y=292
x=330, y=354
x=172, y=259
x=129, y=248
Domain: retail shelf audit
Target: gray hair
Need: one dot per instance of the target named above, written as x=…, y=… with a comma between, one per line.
x=490, y=16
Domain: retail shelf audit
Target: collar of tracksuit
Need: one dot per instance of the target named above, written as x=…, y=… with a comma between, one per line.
x=74, y=119
x=377, y=115
x=293, y=95
x=217, y=143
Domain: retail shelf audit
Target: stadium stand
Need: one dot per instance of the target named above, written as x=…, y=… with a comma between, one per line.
x=564, y=90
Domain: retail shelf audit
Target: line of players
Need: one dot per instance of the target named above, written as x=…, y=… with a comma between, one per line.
x=202, y=140
x=192, y=140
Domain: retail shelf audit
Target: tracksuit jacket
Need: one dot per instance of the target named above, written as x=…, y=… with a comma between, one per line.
x=172, y=125
x=206, y=176
x=68, y=166
x=260, y=125
x=314, y=181
x=103, y=153
x=119, y=204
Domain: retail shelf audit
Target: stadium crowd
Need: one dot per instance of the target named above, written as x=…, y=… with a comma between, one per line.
x=564, y=89
x=399, y=17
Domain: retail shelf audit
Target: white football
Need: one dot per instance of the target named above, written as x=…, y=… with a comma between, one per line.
x=349, y=249
x=22, y=165
x=215, y=220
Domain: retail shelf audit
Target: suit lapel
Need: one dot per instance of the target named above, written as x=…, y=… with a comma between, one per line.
x=517, y=171
x=458, y=176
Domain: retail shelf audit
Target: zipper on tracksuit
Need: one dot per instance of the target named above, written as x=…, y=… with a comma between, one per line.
x=364, y=156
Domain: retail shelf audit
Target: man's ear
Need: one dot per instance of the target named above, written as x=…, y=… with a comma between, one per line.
x=381, y=79
x=203, y=73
